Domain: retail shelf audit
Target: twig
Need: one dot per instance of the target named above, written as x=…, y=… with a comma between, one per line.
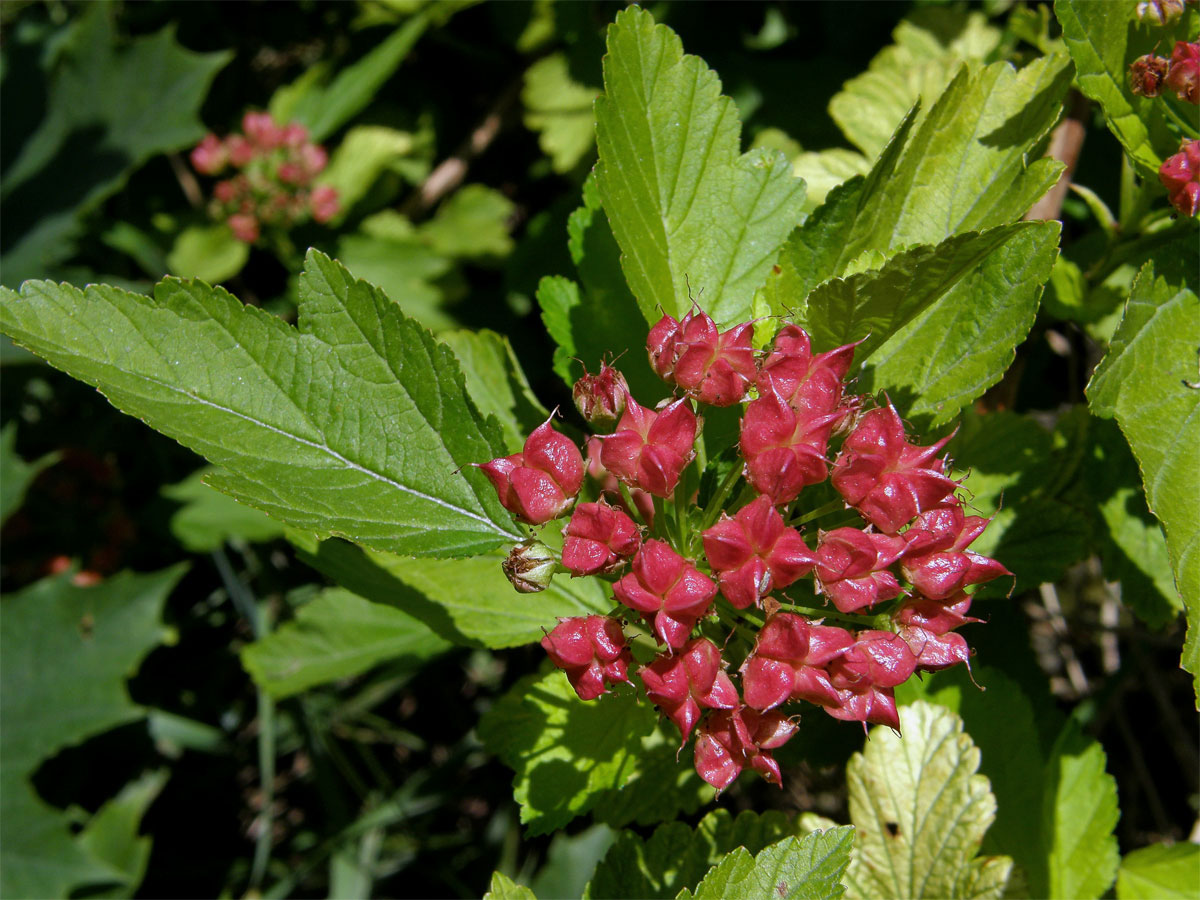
x=1066, y=142
x=1058, y=622
x=187, y=181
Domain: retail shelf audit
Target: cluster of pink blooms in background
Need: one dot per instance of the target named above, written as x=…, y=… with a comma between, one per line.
x=272, y=180
x=696, y=582
x=1180, y=175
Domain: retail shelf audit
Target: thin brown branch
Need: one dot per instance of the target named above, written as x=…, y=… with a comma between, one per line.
x=187, y=181
x=1066, y=142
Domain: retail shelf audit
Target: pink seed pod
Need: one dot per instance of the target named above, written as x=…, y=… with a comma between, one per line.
x=784, y=449
x=312, y=160
x=643, y=503
x=598, y=539
x=539, y=483
x=887, y=479
x=294, y=135
x=937, y=562
x=240, y=150
x=714, y=367
x=731, y=740
x=809, y=384
x=324, y=203
x=600, y=398
x=683, y=684
x=244, y=227
x=1180, y=175
x=209, y=156
x=261, y=130
x=591, y=650
x=669, y=591
x=1183, y=76
x=852, y=567
x=790, y=662
x=754, y=553
x=649, y=450
x=866, y=675
x=661, y=346
x=927, y=627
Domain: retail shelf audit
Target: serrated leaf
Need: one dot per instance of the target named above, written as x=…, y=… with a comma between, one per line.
x=337, y=635
x=15, y=474
x=504, y=888
x=472, y=222
x=962, y=343
x=1103, y=39
x=1160, y=872
x=559, y=109
x=111, y=835
x=65, y=653
x=675, y=857
x=807, y=867
x=823, y=170
x=209, y=518
x=920, y=811
x=1080, y=812
x=1147, y=382
x=565, y=752
x=209, y=252
x=363, y=155
x=684, y=205
x=466, y=601
x=570, y=862
x=355, y=423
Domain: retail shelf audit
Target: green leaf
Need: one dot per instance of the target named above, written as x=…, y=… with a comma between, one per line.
x=110, y=106
x=920, y=811
x=111, y=835
x=356, y=424
x=497, y=384
x=823, y=170
x=559, y=109
x=1160, y=872
x=96, y=637
x=675, y=857
x=209, y=518
x=1147, y=381
x=1103, y=39
x=1080, y=811
x=504, y=888
x=472, y=222
x=566, y=753
x=684, y=205
x=325, y=109
x=807, y=867
x=929, y=47
x=466, y=601
x=16, y=475
x=570, y=862
x=210, y=252
x=337, y=635
x=365, y=153
x=962, y=343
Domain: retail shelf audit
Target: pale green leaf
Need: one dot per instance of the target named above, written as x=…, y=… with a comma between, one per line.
x=364, y=154
x=337, y=635
x=684, y=205
x=559, y=109
x=65, y=653
x=823, y=170
x=1148, y=382
x=504, y=888
x=1080, y=812
x=497, y=384
x=807, y=867
x=570, y=861
x=1160, y=872
x=15, y=474
x=357, y=423
x=676, y=856
x=209, y=518
x=472, y=222
x=920, y=811
x=962, y=343
x=111, y=835
x=566, y=752
x=210, y=252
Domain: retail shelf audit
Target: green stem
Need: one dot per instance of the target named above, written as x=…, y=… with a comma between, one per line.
x=1188, y=128
x=831, y=506
x=713, y=510
x=814, y=612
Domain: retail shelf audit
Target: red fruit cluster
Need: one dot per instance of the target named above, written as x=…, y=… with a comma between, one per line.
x=701, y=579
x=1180, y=175
x=1149, y=74
x=271, y=185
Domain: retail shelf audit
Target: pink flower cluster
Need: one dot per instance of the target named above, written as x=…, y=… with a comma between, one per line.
x=722, y=655
x=274, y=167
x=1180, y=175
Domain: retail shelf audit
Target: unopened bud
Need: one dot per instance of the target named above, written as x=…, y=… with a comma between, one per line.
x=600, y=398
x=530, y=567
x=1159, y=12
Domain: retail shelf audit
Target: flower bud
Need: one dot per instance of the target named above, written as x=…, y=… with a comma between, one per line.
x=599, y=538
x=209, y=156
x=1180, y=175
x=668, y=590
x=1159, y=12
x=1183, y=76
x=324, y=203
x=731, y=740
x=852, y=567
x=650, y=450
x=754, y=553
x=529, y=567
x=591, y=650
x=261, y=130
x=600, y=398
x=680, y=685
x=1146, y=75
x=539, y=483
x=244, y=227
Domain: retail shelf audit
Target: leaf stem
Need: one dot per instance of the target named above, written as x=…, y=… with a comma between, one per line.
x=713, y=510
x=831, y=506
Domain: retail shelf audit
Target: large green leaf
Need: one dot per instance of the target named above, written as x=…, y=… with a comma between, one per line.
x=810, y=867
x=65, y=653
x=1160, y=872
x=337, y=635
x=1148, y=382
x=357, y=423
x=559, y=109
x=15, y=474
x=920, y=811
x=685, y=207
x=110, y=106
